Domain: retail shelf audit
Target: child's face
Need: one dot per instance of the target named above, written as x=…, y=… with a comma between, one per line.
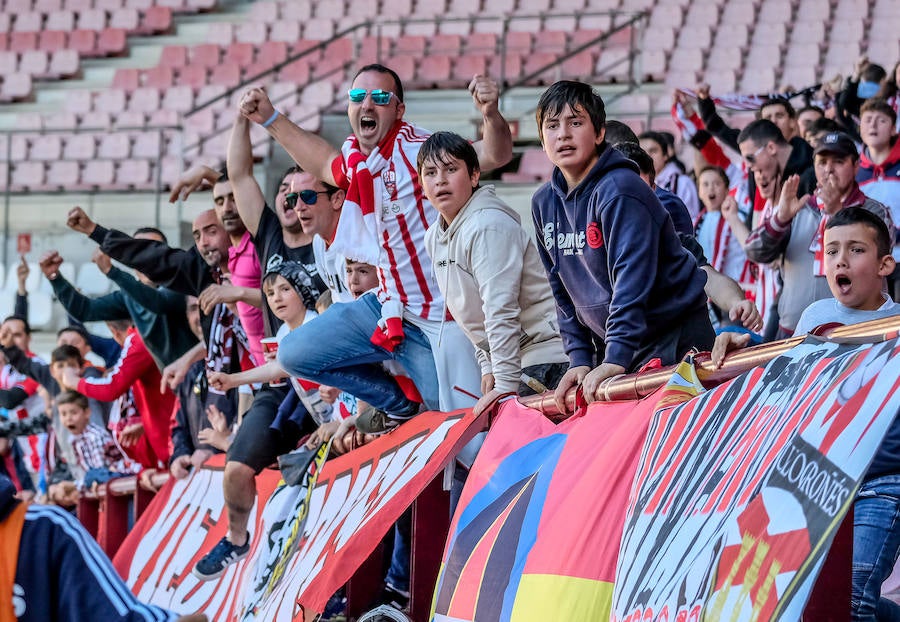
x=876, y=129
x=284, y=301
x=73, y=417
x=447, y=184
x=656, y=153
x=361, y=277
x=57, y=367
x=570, y=142
x=712, y=190
x=854, y=269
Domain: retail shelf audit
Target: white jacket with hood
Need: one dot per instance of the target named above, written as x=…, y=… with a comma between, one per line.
x=488, y=270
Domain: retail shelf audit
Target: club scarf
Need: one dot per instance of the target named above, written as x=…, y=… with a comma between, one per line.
x=227, y=339
x=817, y=246
x=356, y=236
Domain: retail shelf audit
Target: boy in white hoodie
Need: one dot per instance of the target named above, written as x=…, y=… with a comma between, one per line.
x=489, y=272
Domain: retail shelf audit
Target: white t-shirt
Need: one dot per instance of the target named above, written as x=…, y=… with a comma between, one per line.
x=829, y=310
x=332, y=267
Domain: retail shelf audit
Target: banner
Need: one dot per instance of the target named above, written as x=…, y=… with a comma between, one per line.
x=720, y=507
x=353, y=501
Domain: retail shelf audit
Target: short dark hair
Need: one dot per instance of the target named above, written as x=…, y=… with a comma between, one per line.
x=441, y=146
x=780, y=101
x=122, y=324
x=575, y=95
x=65, y=353
x=223, y=175
x=811, y=109
x=761, y=131
x=877, y=104
x=873, y=72
x=74, y=328
x=862, y=216
x=633, y=152
x=20, y=318
x=151, y=231
x=378, y=67
x=618, y=132
x=718, y=170
x=72, y=397
x=658, y=138
x=824, y=125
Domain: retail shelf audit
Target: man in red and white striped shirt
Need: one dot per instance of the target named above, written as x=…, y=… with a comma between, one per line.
x=383, y=222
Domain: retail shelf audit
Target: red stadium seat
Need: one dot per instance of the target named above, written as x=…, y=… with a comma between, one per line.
x=160, y=77
x=194, y=76
x=467, y=66
x=83, y=41
x=481, y=43
x=578, y=67
x=297, y=71
x=112, y=42
x=239, y=54
x=23, y=41
x=434, y=71
x=445, y=44
x=52, y=40
x=157, y=20
x=533, y=167
x=226, y=74
x=536, y=62
x=518, y=42
x=205, y=54
x=550, y=42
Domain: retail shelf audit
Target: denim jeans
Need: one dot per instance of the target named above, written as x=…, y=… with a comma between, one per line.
x=876, y=542
x=335, y=350
x=398, y=574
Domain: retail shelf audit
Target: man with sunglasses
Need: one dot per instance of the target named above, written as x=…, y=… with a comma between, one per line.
x=383, y=222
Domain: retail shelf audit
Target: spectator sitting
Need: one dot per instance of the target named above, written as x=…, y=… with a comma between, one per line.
x=857, y=260
x=795, y=229
x=496, y=292
x=96, y=452
x=615, y=264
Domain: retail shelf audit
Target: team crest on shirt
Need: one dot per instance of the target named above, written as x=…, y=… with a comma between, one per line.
x=389, y=177
x=594, y=236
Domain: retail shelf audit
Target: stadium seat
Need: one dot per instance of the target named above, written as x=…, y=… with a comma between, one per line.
x=480, y=43
x=63, y=175
x=127, y=19
x=46, y=147
x=51, y=40
x=809, y=31
x=126, y=79
x=160, y=77
x=467, y=66
x=851, y=10
x=226, y=74
x=298, y=71
x=64, y=120
x=110, y=100
x=464, y=7
x=16, y=87
x=331, y=10
x=26, y=20
x=178, y=98
x=413, y=45
x=739, y=12
x=254, y=33
x=91, y=281
x=758, y=80
x=23, y=41
x=731, y=36
x=60, y=20
x=534, y=68
x=433, y=71
x=29, y=121
x=721, y=80
x=550, y=42
x=193, y=75
x=579, y=66
x=157, y=20
x=114, y=146
x=27, y=176
x=92, y=19
x=266, y=11
x=96, y=119
x=287, y=31
x=112, y=42
x=40, y=309
x=83, y=41
x=80, y=147
x=145, y=99
x=769, y=34
x=9, y=63
x=320, y=28
x=725, y=59
x=533, y=167
x=134, y=174
x=445, y=44
x=64, y=64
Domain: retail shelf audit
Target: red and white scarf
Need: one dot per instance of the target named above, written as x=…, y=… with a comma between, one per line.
x=356, y=236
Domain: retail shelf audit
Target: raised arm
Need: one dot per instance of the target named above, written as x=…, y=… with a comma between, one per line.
x=312, y=152
x=76, y=304
x=247, y=194
x=495, y=148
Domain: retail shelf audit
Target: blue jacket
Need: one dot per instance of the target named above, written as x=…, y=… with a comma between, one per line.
x=616, y=266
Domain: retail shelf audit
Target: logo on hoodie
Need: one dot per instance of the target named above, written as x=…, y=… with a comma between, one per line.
x=594, y=236
x=569, y=243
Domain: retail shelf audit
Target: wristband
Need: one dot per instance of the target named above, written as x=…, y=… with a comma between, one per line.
x=271, y=119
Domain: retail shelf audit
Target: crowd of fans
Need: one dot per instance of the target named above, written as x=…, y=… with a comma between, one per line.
x=385, y=279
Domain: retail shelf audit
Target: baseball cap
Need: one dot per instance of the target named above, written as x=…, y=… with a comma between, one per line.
x=837, y=143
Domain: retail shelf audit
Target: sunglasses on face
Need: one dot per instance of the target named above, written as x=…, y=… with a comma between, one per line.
x=379, y=97
x=307, y=196
x=750, y=158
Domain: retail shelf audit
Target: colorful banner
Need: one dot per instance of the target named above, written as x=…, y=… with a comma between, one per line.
x=721, y=507
x=348, y=507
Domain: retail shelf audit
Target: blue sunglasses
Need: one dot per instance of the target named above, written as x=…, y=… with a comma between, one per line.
x=379, y=97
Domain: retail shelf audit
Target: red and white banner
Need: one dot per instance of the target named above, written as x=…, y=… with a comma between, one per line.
x=356, y=498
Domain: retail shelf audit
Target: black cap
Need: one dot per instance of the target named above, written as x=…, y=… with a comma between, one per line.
x=837, y=143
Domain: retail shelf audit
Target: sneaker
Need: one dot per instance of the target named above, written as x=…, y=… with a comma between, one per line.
x=376, y=421
x=393, y=597
x=213, y=564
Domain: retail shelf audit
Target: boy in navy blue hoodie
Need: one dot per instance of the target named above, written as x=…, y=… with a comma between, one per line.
x=626, y=291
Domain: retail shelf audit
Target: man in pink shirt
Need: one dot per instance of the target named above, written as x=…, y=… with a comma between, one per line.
x=244, y=270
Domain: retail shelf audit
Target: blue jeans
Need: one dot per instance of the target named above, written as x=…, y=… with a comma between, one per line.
x=335, y=350
x=398, y=574
x=876, y=542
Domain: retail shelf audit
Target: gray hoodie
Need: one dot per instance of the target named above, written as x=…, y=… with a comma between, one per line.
x=488, y=270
